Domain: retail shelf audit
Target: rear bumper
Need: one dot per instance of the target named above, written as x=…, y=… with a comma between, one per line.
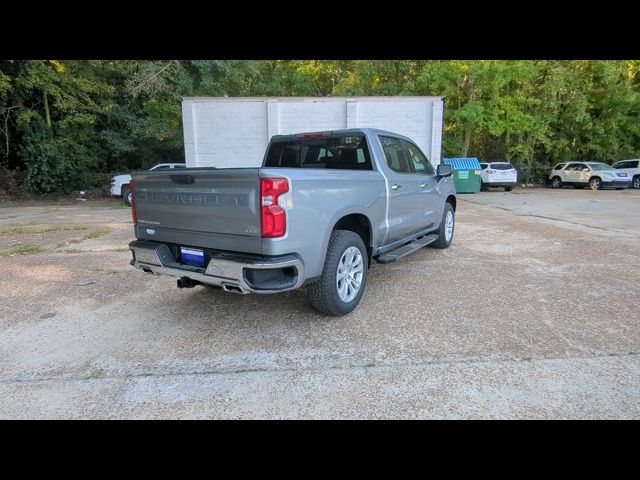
x=501, y=184
x=239, y=273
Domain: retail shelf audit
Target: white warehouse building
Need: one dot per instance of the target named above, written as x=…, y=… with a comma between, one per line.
x=234, y=132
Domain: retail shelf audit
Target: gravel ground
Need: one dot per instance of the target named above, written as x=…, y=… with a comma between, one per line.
x=532, y=313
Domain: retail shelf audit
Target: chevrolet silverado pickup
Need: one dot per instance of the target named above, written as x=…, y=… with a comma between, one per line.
x=317, y=212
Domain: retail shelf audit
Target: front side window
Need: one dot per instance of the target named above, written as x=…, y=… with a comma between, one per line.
x=395, y=155
x=418, y=160
x=599, y=166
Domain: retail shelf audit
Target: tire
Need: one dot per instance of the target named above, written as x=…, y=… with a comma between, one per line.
x=595, y=183
x=556, y=182
x=508, y=189
x=635, y=183
x=323, y=294
x=444, y=240
x=127, y=196
x=483, y=187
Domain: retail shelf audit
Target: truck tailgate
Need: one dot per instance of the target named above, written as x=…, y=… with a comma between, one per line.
x=206, y=208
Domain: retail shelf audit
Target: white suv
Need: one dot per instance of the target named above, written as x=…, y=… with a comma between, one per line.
x=630, y=167
x=120, y=183
x=498, y=174
x=595, y=175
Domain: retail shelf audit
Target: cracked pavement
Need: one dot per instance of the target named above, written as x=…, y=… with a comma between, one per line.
x=532, y=313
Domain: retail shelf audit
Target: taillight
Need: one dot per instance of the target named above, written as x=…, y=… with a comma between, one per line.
x=273, y=219
x=134, y=216
x=491, y=171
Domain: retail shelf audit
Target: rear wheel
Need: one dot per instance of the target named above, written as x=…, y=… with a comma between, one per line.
x=556, y=182
x=508, y=189
x=344, y=275
x=635, y=183
x=127, y=196
x=483, y=186
x=595, y=183
x=447, y=225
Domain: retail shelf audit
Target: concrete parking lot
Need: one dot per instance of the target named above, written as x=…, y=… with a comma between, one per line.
x=532, y=313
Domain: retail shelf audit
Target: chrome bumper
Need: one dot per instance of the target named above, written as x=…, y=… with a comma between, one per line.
x=225, y=270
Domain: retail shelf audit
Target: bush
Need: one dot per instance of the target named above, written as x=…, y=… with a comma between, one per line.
x=55, y=164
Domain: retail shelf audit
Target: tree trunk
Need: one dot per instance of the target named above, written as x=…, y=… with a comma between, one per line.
x=47, y=114
x=466, y=143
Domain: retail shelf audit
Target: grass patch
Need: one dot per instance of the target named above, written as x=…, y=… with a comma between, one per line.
x=122, y=206
x=19, y=250
x=26, y=230
x=91, y=235
x=98, y=373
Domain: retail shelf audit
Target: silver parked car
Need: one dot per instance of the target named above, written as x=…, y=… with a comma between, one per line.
x=595, y=175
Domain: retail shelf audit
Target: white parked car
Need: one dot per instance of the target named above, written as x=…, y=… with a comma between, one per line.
x=120, y=183
x=595, y=175
x=630, y=167
x=498, y=174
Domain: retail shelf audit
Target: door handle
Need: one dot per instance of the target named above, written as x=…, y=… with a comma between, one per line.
x=395, y=186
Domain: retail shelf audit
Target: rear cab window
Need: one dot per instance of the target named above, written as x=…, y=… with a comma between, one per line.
x=344, y=152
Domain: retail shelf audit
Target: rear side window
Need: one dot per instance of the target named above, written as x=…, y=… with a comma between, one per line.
x=501, y=166
x=559, y=166
x=484, y=165
x=395, y=155
x=344, y=152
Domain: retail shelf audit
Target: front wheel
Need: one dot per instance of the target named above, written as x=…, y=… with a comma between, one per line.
x=508, y=189
x=445, y=232
x=595, y=183
x=127, y=196
x=636, y=182
x=344, y=275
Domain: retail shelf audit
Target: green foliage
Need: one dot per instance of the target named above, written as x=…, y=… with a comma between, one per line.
x=67, y=123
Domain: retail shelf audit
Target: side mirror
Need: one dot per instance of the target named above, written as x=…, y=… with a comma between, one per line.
x=444, y=170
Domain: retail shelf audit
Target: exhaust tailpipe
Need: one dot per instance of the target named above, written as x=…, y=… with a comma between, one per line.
x=231, y=288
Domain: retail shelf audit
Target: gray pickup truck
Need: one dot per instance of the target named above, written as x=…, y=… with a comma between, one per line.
x=319, y=210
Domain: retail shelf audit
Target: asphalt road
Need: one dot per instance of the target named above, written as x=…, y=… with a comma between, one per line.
x=532, y=313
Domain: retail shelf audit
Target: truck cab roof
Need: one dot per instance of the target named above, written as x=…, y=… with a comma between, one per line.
x=341, y=132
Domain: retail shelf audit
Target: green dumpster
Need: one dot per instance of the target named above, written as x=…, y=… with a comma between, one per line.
x=466, y=174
